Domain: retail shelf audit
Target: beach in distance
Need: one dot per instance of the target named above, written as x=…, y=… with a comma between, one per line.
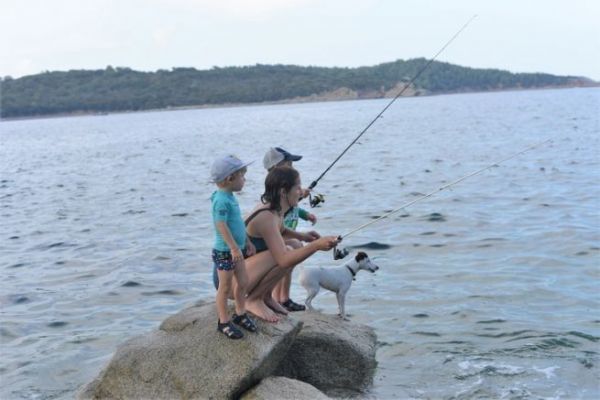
x=487, y=290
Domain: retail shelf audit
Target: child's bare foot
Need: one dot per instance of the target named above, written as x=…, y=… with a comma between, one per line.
x=260, y=309
x=275, y=306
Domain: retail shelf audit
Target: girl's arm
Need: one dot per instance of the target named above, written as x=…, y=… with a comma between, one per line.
x=302, y=236
x=306, y=216
x=268, y=227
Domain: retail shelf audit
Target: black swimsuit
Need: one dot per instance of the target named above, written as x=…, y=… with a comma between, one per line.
x=258, y=242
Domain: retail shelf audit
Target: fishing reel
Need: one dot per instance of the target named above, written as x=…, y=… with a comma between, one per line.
x=338, y=254
x=315, y=200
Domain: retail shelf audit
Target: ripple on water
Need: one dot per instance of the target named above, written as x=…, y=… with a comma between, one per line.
x=371, y=246
x=20, y=300
x=546, y=345
x=57, y=324
x=134, y=212
x=425, y=333
x=586, y=362
x=131, y=284
x=56, y=245
x=435, y=217
x=492, y=321
x=83, y=340
x=163, y=292
x=473, y=369
x=582, y=335
x=504, y=334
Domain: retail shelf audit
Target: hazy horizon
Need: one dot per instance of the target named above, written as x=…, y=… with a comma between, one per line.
x=551, y=36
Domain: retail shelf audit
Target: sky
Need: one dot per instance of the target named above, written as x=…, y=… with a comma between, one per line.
x=560, y=37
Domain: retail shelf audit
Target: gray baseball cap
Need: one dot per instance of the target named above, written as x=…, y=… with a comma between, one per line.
x=225, y=166
x=275, y=155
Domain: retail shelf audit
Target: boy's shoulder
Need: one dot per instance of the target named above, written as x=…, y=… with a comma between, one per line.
x=221, y=195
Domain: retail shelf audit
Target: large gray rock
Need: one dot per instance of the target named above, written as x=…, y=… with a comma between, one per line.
x=334, y=355
x=188, y=359
x=280, y=388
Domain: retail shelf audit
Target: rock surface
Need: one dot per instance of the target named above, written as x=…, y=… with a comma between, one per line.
x=335, y=356
x=313, y=355
x=188, y=359
x=281, y=388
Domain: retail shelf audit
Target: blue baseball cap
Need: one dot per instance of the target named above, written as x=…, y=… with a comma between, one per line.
x=225, y=166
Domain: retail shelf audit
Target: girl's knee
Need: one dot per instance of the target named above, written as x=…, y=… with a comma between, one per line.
x=293, y=244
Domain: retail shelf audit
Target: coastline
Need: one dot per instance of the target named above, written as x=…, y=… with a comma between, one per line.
x=340, y=94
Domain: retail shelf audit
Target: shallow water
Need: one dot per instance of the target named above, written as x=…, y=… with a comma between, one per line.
x=487, y=290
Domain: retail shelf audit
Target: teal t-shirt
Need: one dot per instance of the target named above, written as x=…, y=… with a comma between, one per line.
x=225, y=207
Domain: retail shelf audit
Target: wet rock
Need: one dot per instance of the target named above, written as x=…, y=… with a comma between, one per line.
x=334, y=355
x=281, y=388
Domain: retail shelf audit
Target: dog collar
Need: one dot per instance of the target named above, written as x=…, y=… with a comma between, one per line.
x=351, y=271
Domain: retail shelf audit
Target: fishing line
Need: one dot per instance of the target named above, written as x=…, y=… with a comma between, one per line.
x=341, y=253
x=406, y=86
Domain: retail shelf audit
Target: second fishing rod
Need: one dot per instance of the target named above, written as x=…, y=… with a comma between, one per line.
x=341, y=253
x=315, y=200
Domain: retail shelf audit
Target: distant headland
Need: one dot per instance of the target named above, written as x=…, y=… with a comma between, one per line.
x=123, y=89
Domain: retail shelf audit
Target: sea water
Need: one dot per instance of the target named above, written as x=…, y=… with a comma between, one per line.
x=488, y=289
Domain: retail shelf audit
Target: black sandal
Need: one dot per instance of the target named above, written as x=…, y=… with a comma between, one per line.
x=245, y=322
x=229, y=330
x=292, y=306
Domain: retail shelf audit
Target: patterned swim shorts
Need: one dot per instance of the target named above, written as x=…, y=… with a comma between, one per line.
x=223, y=260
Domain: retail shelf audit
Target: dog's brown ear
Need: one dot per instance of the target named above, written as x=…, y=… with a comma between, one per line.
x=361, y=255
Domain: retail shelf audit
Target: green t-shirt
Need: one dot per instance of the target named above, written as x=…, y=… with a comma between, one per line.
x=290, y=220
x=225, y=207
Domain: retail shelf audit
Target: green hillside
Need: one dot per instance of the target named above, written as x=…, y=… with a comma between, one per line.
x=122, y=89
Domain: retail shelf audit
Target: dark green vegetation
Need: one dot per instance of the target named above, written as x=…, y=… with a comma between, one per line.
x=122, y=89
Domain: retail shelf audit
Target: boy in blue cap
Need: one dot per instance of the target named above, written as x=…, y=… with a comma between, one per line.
x=277, y=157
x=231, y=241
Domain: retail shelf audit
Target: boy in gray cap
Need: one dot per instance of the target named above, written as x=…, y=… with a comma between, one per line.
x=231, y=241
x=278, y=157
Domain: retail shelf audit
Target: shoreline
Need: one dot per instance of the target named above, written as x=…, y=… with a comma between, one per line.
x=315, y=98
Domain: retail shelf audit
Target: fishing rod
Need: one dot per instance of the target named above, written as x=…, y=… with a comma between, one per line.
x=314, y=201
x=341, y=253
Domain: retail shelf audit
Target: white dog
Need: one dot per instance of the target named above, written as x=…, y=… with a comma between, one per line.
x=337, y=279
